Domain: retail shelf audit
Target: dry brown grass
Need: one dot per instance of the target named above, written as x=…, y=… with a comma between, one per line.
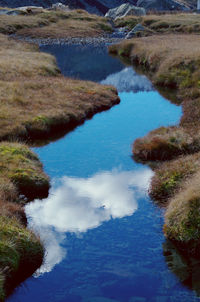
x=35, y=98
x=55, y=24
x=165, y=143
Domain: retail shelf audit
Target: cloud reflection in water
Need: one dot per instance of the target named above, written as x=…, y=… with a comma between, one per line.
x=128, y=80
x=79, y=204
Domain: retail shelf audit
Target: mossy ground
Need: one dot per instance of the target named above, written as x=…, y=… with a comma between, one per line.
x=20, y=173
x=20, y=253
x=173, y=61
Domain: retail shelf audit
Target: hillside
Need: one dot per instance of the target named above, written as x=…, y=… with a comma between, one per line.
x=100, y=7
x=92, y=6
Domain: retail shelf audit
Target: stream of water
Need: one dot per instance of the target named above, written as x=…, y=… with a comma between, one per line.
x=102, y=234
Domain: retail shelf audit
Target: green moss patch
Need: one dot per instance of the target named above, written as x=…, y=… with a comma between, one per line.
x=171, y=175
x=20, y=166
x=18, y=247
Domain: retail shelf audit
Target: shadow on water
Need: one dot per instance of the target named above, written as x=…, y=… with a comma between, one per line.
x=167, y=92
x=85, y=62
x=187, y=269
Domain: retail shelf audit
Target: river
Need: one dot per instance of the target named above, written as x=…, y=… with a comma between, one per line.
x=102, y=233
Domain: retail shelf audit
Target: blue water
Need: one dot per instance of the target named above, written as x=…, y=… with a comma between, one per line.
x=102, y=233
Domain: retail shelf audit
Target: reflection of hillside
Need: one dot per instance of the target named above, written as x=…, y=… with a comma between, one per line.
x=186, y=269
x=78, y=204
x=127, y=80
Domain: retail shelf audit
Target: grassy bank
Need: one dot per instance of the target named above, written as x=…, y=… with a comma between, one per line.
x=165, y=24
x=37, y=100
x=21, y=178
x=173, y=61
x=55, y=24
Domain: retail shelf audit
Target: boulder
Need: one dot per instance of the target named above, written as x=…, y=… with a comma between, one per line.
x=125, y=9
x=29, y=9
x=164, y=5
x=138, y=28
x=11, y=12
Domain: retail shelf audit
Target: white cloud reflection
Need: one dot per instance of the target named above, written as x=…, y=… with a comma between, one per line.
x=79, y=204
x=128, y=80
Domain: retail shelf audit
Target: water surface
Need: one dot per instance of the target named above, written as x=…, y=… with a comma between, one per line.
x=102, y=233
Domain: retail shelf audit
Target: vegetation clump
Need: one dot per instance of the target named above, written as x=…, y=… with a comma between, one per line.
x=23, y=168
x=182, y=219
x=171, y=175
x=21, y=175
x=21, y=253
x=164, y=144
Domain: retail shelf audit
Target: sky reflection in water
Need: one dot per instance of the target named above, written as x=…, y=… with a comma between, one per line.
x=127, y=80
x=79, y=204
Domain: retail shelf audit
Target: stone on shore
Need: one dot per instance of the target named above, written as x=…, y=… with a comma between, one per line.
x=125, y=10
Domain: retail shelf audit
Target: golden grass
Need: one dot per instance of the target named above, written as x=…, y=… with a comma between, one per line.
x=55, y=24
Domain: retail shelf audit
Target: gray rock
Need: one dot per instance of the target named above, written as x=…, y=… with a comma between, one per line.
x=163, y=5
x=134, y=31
x=11, y=12
x=29, y=9
x=125, y=9
x=60, y=6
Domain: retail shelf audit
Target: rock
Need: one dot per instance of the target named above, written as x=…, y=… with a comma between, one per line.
x=60, y=6
x=163, y=5
x=29, y=9
x=138, y=28
x=125, y=9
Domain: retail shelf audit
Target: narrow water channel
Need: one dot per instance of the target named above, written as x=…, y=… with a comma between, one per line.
x=102, y=233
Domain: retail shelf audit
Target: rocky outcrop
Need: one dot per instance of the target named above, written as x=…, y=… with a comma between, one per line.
x=124, y=10
x=93, y=6
x=98, y=6
x=164, y=5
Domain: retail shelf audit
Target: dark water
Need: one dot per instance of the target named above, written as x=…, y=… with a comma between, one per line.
x=103, y=235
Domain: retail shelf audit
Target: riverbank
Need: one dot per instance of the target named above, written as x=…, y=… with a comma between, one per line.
x=21, y=179
x=37, y=102
x=172, y=61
